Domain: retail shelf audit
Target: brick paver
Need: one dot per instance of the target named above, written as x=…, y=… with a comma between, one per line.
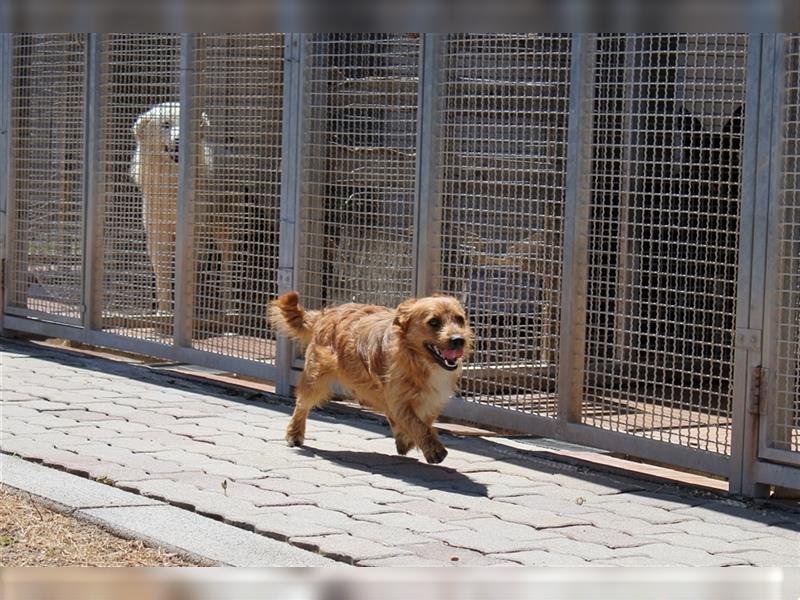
x=348, y=495
x=349, y=548
x=542, y=558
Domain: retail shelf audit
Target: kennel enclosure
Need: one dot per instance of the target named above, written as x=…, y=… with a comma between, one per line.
x=617, y=212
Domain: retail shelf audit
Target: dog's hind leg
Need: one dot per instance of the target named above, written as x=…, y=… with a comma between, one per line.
x=312, y=390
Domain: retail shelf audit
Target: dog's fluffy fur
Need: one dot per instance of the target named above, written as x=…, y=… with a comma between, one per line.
x=404, y=362
x=154, y=169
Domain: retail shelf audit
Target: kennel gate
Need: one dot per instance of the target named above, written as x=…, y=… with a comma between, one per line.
x=779, y=406
x=598, y=202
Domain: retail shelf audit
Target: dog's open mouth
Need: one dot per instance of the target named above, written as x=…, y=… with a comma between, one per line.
x=448, y=359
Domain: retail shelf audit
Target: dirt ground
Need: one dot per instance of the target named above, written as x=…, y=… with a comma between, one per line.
x=32, y=535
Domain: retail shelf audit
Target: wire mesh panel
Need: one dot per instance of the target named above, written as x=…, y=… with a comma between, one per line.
x=238, y=100
x=47, y=145
x=358, y=173
x=783, y=424
x=138, y=175
x=668, y=122
x=502, y=166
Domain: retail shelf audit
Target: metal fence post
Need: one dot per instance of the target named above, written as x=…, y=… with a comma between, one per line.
x=290, y=195
x=6, y=65
x=755, y=199
x=427, y=211
x=92, y=215
x=184, y=235
x=576, y=232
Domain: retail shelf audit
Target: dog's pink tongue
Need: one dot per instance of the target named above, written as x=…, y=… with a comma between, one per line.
x=452, y=355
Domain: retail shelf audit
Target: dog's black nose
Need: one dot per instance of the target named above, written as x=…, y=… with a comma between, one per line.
x=456, y=341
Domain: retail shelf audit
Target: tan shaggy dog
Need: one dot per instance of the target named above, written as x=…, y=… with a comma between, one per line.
x=154, y=168
x=404, y=362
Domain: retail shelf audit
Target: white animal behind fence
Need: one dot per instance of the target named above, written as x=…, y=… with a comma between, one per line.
x=154, y=168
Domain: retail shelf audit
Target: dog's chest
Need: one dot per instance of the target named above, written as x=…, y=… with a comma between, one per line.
x=441, y=385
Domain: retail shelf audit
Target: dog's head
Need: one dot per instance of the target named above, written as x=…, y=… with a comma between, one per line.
x=159, y=128
x=437, y=328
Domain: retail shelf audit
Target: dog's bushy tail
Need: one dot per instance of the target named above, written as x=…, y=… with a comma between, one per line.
x=288, y=316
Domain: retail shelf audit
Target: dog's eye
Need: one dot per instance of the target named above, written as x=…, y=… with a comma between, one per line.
x=459, y=320
x=435, y=323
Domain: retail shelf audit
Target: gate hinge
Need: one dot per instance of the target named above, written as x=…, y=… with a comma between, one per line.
x=748, y=339
x=758, y=389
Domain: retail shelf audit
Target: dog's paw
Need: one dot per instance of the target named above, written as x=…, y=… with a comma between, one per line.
x=435, y=454
x=403, y=446
x=293, y=439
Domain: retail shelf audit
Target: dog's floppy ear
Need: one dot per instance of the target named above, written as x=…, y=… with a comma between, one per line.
x=403, y=313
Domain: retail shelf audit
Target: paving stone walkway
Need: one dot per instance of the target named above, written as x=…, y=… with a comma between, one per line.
x=347, y=495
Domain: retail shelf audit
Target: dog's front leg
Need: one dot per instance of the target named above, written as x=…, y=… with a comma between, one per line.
x=161, y=249
x=417, y=431
x=401, y=441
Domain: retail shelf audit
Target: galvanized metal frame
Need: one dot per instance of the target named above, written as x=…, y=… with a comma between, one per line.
x=184, y=235
x=6, y=65
x=301, y=191
x=303, y=186
x=614, y=441
x=181, y=354
x=8, y=166
x=773, y=473
x=576, y=232
x=92, y=212
x=427, y=213
x=754, y=192
x=290, y=194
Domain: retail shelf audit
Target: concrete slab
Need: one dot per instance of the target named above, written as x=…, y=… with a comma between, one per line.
x=62, y=489
x=189, y=532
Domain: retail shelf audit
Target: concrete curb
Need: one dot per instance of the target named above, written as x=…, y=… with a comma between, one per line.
x=132, y=516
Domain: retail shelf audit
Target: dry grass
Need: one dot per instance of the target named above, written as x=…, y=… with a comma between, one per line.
x=32, y=535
